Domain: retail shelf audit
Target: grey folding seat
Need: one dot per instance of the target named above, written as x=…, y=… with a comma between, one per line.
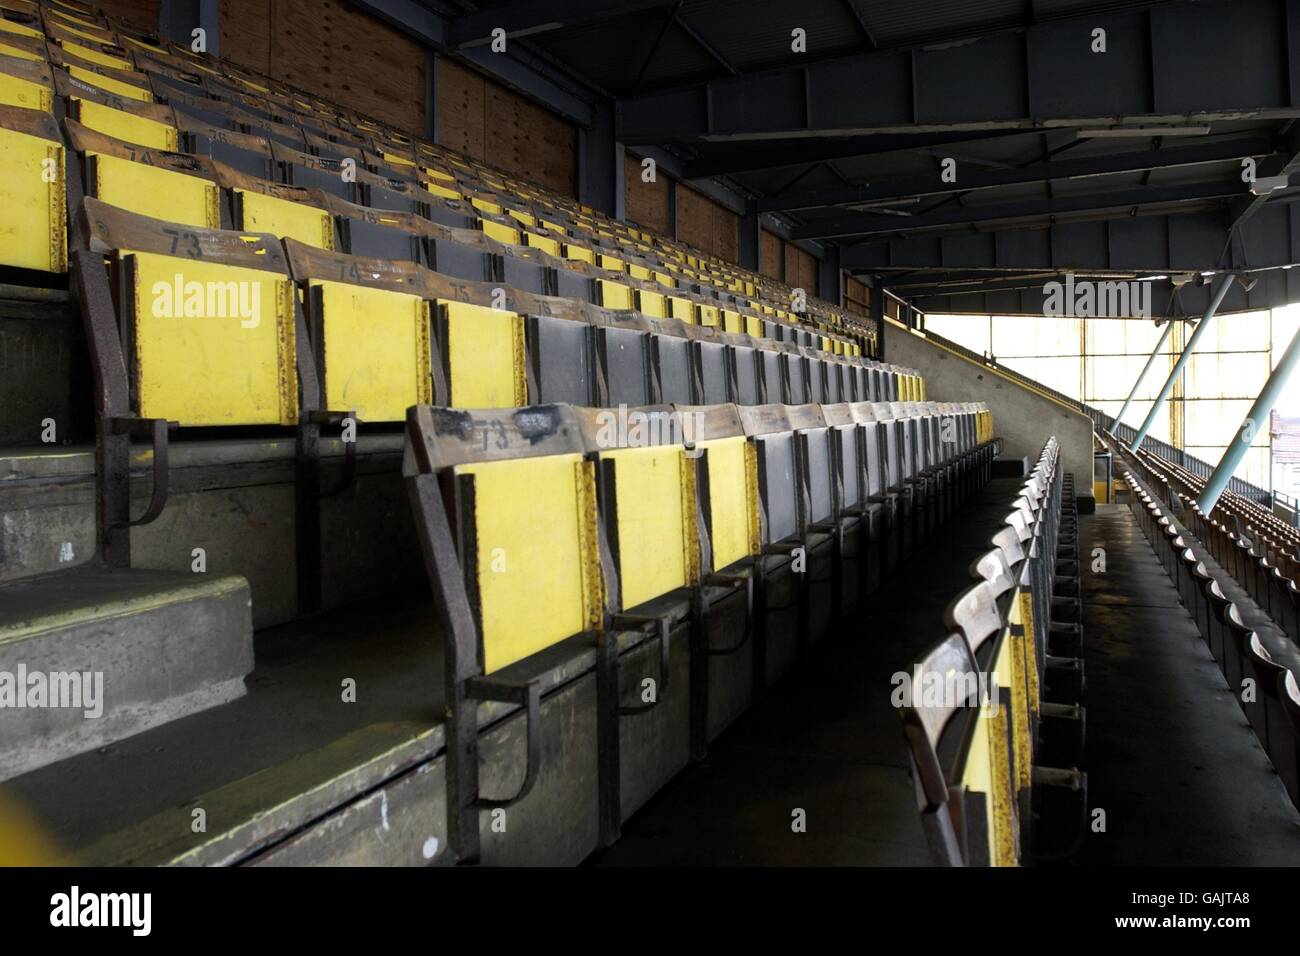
x=247, y=154
x=836, y=378
x=524, y=274
x=795, y=375
x=674, y=377
x=396, y=194
x=445, y=214
x=561, y=360
x=573, y=285
x=624, y=362
x=459, y=260
x=772, y=383
x=781, y=595
x=746, y=374
x=378, y=241
x=712, y=371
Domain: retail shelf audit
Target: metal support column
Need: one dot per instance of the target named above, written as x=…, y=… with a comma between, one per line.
x=1204, y=324
x=1164, y=337
x=829, y=285
x=878, y=313
x=1255, y=419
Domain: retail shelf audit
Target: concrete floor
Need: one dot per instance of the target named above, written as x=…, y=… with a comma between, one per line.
x=1170, y=756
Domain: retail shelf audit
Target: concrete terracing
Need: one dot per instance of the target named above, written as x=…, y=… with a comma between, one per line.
x=1022, y=418
x=91, y=656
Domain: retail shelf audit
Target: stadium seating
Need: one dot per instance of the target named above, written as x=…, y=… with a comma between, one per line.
x=1260, y=682
x=634, y=471
x=975, y=742
x=738, y=533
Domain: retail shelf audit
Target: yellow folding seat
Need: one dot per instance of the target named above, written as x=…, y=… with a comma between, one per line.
x=442, y=192
x=731, y=510
x=155, y=190
x=578, y=253
x=653, y=304
x=545, y=243
x=96, y=54
x=485, y=205
x=143, y=128
x=500, y=232
x=614, y=295
x=66, y=17
x=373, y=348
x=731, y=321
x=33, y=197
x=89, y=32
x=27, y=84
x=22, y=48
x=539, y=512
x=17, y=25
x=711, y=315
x=612, y=262
x=522, y=217
x=214, y=343
x=753, y=326
x=483, y=355
x=655, y=542
x=110, y=84
x=261, y=212
x=682, y=308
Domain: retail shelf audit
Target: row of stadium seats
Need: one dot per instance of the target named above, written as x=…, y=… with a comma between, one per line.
x=1252, y=545
x=1273, y=538
x=194, y=328
x=1263, y=686
x=727, y=537
x=163, y=132
x=982, y=698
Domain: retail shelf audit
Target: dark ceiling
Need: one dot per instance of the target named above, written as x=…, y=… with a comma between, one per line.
x=843, y=145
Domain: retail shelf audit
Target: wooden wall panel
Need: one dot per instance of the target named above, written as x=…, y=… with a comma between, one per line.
x=694, y=219
x=495, y=125
x=726, y=233
x=336, y=51
x=707, y=225
x=645, y=203
x=771, y=259
x=460, y=108
x=546, y=147
x=857, y=297
x=143, y=14
x=333, y=50
x=246, y=33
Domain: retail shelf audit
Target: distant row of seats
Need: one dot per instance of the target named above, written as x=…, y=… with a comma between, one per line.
x=1272, y=704
x=129, y=98
x=974, y=730
x=700, y=547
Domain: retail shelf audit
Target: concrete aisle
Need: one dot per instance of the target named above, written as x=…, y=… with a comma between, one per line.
x=1170, y=756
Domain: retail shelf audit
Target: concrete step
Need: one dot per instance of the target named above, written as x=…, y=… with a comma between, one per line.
x=93, y=655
